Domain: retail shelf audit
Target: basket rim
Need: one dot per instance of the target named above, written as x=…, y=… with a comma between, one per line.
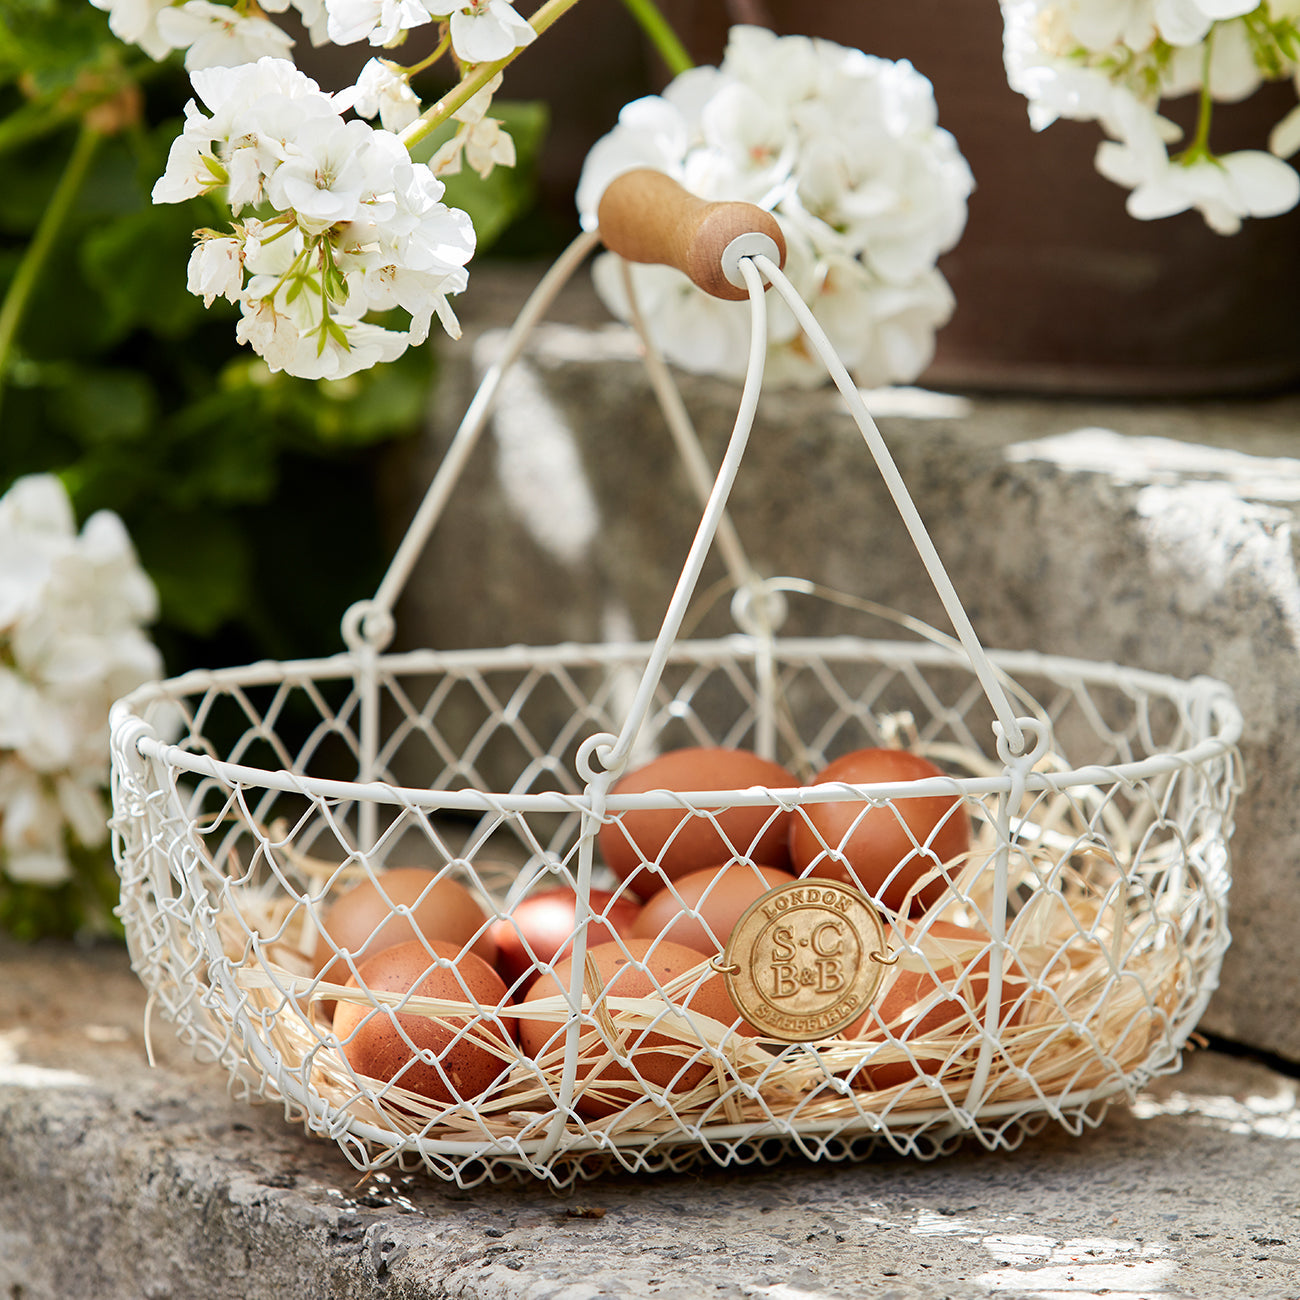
x=133, y=739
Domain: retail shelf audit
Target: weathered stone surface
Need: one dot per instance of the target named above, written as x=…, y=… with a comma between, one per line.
x=121, y=1182
x=1158, y=536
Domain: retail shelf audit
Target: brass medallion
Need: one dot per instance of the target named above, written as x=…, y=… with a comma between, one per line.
x=805, y=960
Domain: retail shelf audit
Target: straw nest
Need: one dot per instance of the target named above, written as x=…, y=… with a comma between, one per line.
x=1106, y=932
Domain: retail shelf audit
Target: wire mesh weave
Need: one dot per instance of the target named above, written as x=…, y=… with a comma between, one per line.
x=1074, y=948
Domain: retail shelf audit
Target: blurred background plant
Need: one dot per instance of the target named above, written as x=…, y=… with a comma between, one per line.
x=249, y=491
x=245, y=492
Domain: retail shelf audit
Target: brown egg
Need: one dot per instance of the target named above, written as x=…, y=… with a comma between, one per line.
x=362, y=920
x=541, y=928
x=718, y=895
x=684, y=842
x=918, y=1004
x=883, y=860
x=660, y=1058
x=374, y=1046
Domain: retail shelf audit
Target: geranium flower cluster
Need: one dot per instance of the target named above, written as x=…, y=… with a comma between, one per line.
x=845, y=150
x=351, y=225
x=73, y=606
x=333, y=223
x=224, y=35
x=1114, y=61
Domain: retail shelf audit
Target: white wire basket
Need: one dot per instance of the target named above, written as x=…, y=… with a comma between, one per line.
x=1055, y=964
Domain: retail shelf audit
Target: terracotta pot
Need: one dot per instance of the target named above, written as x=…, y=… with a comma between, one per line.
x=1057, y=288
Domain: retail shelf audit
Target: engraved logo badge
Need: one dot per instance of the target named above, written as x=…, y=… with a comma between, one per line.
x=805, y=960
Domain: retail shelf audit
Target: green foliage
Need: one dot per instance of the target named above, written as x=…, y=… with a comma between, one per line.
x=136, y=394
x=81, y=906
x=248, y=495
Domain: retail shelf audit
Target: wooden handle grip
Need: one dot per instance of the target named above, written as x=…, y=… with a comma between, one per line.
x=646, y=216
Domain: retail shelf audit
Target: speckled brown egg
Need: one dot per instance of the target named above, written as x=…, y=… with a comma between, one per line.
x=920, y=1004
x=681, y=841
x=362, y=920
x=664, y=1061
x=880, y=844
x=701, y=909
x=374, y=1046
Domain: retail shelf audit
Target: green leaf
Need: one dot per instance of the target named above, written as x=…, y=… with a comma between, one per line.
x=388, y=400
x=54, y=45
x=137, y=264
x=200, y=562
x=224, y=450
x=29, y=175
x=101, y=405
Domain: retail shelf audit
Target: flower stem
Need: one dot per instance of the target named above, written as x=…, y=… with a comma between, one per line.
x=436, y=114
x=33, y=259
x=1200, y=146
x=661, y=34
x=429, y=60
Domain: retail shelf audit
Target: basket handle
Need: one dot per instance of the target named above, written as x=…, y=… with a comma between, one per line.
x=646, y=216
x=652, y=219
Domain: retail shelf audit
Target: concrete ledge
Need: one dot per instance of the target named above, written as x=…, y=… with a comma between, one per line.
x=1160, y=536
x=118, y=1181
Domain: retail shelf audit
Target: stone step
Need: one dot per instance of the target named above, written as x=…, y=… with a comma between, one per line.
x=120, y=1182
x=1156, y=535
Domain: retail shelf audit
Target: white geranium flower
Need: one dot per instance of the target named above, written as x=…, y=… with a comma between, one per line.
x=697, y=332
x=1057, y=88
x=381, y=22
x=476, y=107
x=1185, y=22
x=483, y=31
x=1101, y=24
x=428, y=235
x=136, y=23
x=256, y=110
x=35, y=511
x=1284, y=139
x=480, y=140
x=235, y=92
x=192, y=169
x=325, y=174
x=31, y=829
x=905, y=319
x=747, y=148
x=117, y=592
x=845, y=150
x=290, y=336
x=313, y=13
x=216, y=269
x=484, y=145
x=792, y=68
x=357, y=227
x=83, y=808
x=1248, y=183
x=217, y=36
x=1113, y=61
x=73, y=606
x=383, y=92
x=1231, y=71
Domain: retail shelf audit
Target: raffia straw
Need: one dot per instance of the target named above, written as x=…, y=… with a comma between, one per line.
x=1104, y=984
x=1072, y=1061
x=742, y=1058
